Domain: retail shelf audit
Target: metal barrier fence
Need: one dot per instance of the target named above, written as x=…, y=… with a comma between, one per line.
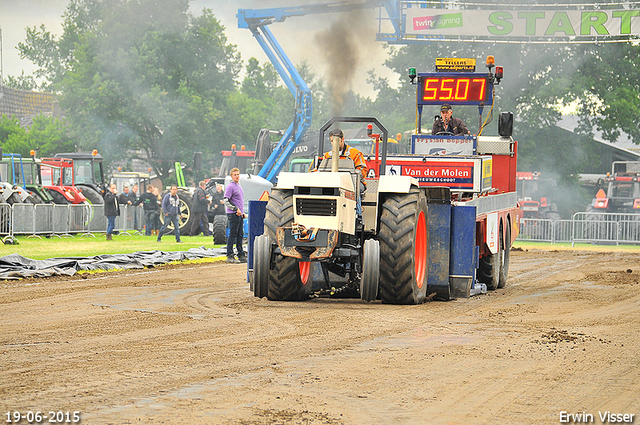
x=65, y=220
x=584, y=227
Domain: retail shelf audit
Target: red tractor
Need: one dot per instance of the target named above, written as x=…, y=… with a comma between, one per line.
x=530, y=187
x=57, y=178
x=622, y=189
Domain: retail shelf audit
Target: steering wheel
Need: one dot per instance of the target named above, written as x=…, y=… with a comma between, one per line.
x=444, y=133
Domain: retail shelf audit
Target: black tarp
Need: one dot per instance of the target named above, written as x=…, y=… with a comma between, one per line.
x=16, y=266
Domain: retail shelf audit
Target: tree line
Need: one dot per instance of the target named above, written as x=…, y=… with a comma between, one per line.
x=148, y=76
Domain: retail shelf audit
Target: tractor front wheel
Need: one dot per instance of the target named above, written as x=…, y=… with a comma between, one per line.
x=370, y=270
x=261, y=260
x=289, y=280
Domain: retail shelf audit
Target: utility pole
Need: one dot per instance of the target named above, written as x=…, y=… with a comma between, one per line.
x=1, y=62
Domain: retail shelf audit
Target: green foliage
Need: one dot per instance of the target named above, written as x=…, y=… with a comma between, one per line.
x=141, y=76
x=23, y=82
x=46, y=135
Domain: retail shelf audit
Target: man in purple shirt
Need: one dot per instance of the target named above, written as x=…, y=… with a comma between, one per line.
x=234, y=201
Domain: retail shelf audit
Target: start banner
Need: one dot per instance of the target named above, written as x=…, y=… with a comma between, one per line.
x=522, y=23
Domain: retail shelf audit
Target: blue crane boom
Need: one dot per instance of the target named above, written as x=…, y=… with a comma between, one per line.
x=257, y=21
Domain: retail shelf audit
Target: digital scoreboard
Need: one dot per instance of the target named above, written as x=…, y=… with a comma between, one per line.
x=455, y=88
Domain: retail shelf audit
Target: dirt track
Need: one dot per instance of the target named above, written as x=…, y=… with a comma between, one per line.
x=190, y=344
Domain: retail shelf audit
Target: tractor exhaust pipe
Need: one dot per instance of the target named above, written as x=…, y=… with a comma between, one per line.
x=335, y=155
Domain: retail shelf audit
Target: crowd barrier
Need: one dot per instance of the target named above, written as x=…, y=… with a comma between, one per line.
x=88, y=220
x=584, y=227
x=65, y=220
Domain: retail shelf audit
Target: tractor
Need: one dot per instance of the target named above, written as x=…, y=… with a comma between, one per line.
x=622, y=186
x=88, y=175
x=428, y=226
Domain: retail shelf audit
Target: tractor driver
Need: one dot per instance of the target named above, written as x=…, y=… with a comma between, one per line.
x=446, y=123
x=347, y=151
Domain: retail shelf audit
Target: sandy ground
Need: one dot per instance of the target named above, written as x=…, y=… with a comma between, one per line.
x=190, y=344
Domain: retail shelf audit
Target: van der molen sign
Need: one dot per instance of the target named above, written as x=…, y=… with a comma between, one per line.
x=523, y=23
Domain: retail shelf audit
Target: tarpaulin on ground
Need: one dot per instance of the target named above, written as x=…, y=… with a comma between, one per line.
x=16, y=266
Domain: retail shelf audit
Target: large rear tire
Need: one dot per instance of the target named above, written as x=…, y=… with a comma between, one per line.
x=219, y=229
x=261, y=260
x=370, y=270
x=14, y=198
x=403, y=248
x=186, y=212
x=92, y=196
x=506, y=253
x=286, y=278
x=58, y=198
x=186, y=215
x=596, y=228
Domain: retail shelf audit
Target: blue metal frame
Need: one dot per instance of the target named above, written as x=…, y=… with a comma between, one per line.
x=13, y=170
x=257, y=21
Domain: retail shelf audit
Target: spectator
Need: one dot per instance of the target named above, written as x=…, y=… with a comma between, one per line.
x=150, y=205
x=199, y=211
x=123, y=198
x=234, y=201
x=111, y=209
x=156, y=218
x=171, y=211
x=218, y=201
x=133, y=198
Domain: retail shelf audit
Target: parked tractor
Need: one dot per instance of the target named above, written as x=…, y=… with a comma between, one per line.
x=88, y=174
x=531, y=190
x=57, y=178
x=21, y=181
x=622, y=186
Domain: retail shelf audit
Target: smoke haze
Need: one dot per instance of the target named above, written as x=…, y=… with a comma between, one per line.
x=345, y=44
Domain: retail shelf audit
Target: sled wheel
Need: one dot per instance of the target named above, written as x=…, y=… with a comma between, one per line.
x=506, y=252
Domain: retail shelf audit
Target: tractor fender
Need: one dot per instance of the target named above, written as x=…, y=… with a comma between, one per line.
x=396, y=184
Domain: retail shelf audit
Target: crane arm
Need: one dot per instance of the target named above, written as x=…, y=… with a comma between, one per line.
x=257, y=21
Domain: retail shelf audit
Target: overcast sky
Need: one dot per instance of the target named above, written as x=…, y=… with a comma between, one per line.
x=296, y=34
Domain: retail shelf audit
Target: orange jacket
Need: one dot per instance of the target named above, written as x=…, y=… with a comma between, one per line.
x=356, y=157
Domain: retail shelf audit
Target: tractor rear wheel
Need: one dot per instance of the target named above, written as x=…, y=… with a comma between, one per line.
x=290, y=279
x=186, y=216
x=370, y=270
x=261, y=260
x=14, y=198
x=219, y=229
x=403, y=248
x=506, y=253
x=92, y=196
x=58, y=198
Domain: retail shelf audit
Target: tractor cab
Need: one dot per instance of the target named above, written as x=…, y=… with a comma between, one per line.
x=622, y=185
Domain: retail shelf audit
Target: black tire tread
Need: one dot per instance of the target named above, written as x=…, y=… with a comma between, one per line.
x=396, y=236
x=284, y=279
x=506, y=248
x=220, y=229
